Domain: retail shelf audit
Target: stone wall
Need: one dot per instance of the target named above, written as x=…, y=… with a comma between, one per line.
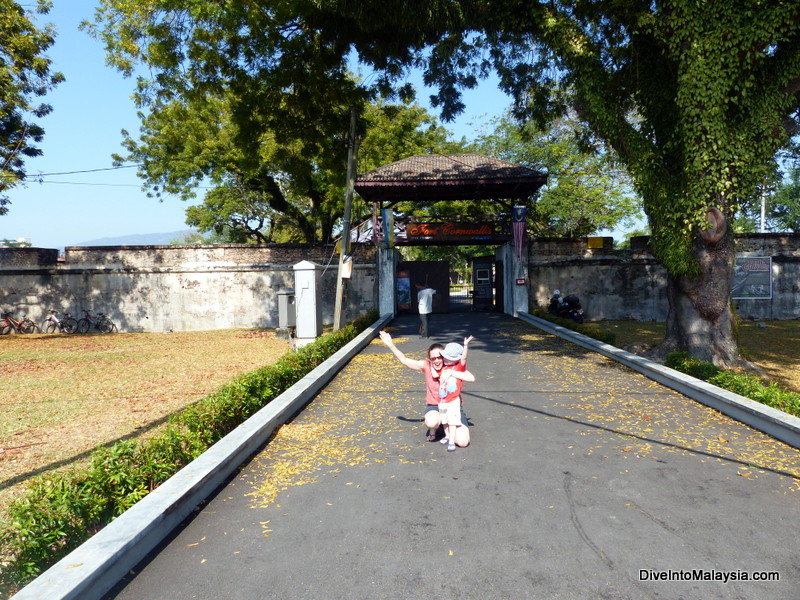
x=180, y=288
x=785, y=252
x=631, y=284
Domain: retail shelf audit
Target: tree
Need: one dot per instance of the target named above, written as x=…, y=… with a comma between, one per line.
x=585, y=192
x=195, y=238
x=234, y=214
x=18, y=243
x=24, y=76
x=266, y=192
x=780, y=202
x=186, y=142
x=695, y=98
x=783, y=207
x=626, y=242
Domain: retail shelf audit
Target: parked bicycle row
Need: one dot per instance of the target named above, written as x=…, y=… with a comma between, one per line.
x=66, y=323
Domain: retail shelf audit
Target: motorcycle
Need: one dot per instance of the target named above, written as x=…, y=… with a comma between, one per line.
x=566, y=307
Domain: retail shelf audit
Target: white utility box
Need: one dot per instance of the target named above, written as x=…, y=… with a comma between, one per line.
x=308, y=305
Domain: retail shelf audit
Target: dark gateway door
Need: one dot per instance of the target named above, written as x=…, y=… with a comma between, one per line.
x=433, y=274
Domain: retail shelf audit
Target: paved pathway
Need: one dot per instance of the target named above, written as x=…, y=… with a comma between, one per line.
x=584, y=480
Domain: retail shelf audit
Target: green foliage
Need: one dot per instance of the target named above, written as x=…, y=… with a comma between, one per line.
x=582, y=328
x=266, y=192
x=258, y=102
x=585, y=192
x=21, y=243
x=62, y=509
x=694, y=98
x=234, y=213
x=24, y=76
x=626, y=242
x=194, y=238
x=782, y=207
x=743, y=384
x=57, y=509
x=681, y=361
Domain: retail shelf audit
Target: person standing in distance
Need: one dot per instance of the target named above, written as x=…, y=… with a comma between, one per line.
x=425, y=305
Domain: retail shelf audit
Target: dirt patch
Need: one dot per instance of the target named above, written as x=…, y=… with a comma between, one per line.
x=62, y=396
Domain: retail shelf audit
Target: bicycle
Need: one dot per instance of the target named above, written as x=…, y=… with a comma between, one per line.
x=9, y=324
x=64, y=325
x=101, y=323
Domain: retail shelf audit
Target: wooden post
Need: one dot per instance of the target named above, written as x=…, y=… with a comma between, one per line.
x=344, y=250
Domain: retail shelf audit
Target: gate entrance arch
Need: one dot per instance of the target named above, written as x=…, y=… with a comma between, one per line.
x=428, y=178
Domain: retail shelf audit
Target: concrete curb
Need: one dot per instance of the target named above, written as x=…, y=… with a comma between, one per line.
x=776, y=423
x=101, y=562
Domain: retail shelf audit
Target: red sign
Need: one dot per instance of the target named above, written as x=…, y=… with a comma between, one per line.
x=450, y=231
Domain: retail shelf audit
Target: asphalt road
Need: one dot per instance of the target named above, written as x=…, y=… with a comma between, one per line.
x=584, y=480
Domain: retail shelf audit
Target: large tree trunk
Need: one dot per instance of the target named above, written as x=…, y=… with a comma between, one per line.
x=700, y=320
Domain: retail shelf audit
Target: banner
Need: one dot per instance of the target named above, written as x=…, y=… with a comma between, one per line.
x=752, y=278
x=403, y=290
x=518, y=229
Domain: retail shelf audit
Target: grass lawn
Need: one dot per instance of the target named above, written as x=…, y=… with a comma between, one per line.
x=774, y=347
x=63, y=395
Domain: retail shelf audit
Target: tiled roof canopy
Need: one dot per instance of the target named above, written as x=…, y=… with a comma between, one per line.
x=448, y=177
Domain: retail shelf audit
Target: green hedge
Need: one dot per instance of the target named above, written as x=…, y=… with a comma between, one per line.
x=582, y=328
x=745, y=385
x=62, y=509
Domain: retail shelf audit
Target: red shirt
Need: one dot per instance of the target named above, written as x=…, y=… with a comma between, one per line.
x=451, y=390
x=431, y=383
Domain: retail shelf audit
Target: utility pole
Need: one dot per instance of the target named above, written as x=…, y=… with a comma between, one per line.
x=344, y=249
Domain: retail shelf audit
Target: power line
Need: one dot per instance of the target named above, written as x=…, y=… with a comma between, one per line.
x=80, y=172
x=133, y=185
x=91, y=184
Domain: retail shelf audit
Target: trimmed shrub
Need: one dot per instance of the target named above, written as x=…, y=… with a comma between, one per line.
x=681, y=361
x=749, y=386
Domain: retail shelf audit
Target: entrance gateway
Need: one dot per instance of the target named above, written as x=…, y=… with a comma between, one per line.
x=496, y=280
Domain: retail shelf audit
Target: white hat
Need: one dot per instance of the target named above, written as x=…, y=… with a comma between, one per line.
x=452, y=351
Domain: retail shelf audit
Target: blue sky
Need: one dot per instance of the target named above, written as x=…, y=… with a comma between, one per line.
x=90, y=109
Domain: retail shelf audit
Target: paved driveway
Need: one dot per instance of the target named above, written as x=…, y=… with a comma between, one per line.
x=584, y=480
